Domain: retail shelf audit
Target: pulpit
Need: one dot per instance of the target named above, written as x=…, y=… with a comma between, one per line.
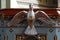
x=43, y=29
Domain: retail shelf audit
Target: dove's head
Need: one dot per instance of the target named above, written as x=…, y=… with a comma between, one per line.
x=30, y=6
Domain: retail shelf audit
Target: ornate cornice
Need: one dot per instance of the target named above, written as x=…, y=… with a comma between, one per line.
x=26, y=26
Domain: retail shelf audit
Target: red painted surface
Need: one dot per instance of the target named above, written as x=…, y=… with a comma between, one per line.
x=14, y=11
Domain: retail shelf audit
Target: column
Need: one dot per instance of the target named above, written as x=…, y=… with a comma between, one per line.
x=3, y=4
x=7, y=3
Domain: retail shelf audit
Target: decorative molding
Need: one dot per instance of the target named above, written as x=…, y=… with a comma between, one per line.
x=51, y=30
x=2, y=30
x=20, y=37
x=14, y=11
x=45, y=36
x=55, y=37
x=6, y=37
x=26, y=26
x=11, y=30
x=23, y=36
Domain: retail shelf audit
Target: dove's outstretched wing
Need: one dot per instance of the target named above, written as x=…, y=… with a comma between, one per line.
x=19, y=17
x=42, y=16
x=58, y=11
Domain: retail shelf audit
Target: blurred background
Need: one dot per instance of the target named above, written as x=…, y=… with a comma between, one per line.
x=25, y=3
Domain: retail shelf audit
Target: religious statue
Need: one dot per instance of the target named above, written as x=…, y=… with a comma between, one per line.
x=31, y=16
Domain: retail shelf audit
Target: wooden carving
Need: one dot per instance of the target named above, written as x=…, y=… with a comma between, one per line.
x=55, y=37
x=39, y=15
x=31, y=17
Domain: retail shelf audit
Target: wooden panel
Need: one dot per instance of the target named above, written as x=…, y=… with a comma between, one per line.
x=42, y=37
x=37, y=37
x=14, y=11
x=20, y=37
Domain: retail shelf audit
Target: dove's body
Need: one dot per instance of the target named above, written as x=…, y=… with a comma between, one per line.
x=31, y=16
x=31, y=19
